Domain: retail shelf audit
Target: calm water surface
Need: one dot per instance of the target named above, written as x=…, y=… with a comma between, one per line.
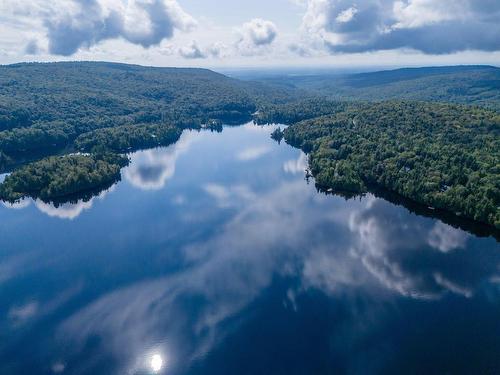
x=215, y=256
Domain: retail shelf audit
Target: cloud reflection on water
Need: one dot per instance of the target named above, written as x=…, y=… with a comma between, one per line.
x=228, y=272
x=151, y=169
x=68, y=210
x=280, y=229
x=409, y=255
x=23, y=203
x=297, y=166
x=253, y=153
x=289, y=232
x=446, y=238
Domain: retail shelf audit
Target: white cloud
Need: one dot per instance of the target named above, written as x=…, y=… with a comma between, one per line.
x=334, y=32
x=394, y=250
x=192, y=51
x=260, y=32
x=256, y=34
x=218, y=50
x=19, y=205
x=73, y=24
x=347, y=15
x=419, y=13
x=429, y=26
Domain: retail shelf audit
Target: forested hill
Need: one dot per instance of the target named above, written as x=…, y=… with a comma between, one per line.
x=476, y=85
x=46, y=106
x=440, y=155
x=34, y=93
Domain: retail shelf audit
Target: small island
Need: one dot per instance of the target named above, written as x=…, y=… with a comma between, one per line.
x=277, y=135
x=62, y=176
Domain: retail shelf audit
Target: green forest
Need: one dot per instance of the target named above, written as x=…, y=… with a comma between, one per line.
x=128, y=138
x=62, y=176
x=44, y=108
x=431, y=135
x=441, y=155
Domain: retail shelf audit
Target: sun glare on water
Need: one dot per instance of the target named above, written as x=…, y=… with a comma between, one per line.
x=156, y=363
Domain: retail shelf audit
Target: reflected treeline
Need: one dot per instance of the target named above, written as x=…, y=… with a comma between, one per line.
x=65, y=208
x=82, y=196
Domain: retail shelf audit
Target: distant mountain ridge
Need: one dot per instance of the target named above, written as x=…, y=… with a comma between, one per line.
x=468, y=84
x=406, y=74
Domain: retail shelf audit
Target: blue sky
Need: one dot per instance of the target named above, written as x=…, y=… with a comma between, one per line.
x=257, y=33
x=286, y=14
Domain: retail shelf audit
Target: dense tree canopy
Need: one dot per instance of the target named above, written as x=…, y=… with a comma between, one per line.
x=445, y=156
x=45, y=107
x=441, y=155
x=60, y=176
x=128, y=137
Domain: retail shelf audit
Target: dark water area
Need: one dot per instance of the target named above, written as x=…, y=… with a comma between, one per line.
x=215, y=256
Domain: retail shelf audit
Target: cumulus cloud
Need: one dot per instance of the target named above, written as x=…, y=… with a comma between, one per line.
x=256, y=34
x=192, y=51
x=32, y=48
x=218, y=50
x=429, y=26
x=260, y=32
x=300, y=50
x=73, y=24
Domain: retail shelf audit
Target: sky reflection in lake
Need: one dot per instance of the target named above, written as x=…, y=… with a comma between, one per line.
x=214, y=256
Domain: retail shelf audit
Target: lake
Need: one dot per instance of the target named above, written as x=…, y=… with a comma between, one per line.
x=216, y=256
